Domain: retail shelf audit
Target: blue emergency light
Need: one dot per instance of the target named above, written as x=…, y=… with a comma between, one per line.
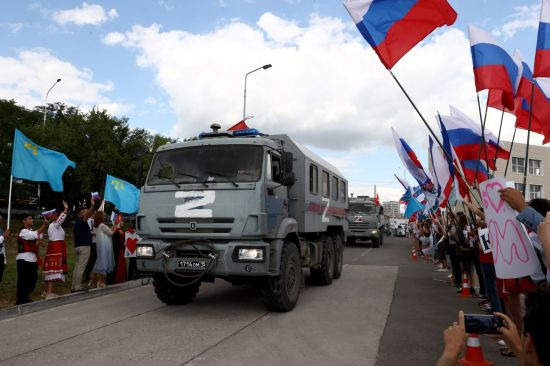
x=247, y=132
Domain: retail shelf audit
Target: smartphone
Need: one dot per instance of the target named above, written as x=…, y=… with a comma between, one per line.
x=482, y=324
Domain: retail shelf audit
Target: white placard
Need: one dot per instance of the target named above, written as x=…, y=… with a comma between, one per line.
x=484, y=240
x=513, y=252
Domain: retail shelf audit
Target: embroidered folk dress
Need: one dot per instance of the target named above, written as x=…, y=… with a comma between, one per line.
x=55, y=263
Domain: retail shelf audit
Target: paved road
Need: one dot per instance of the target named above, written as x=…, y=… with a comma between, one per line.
x=384, y=310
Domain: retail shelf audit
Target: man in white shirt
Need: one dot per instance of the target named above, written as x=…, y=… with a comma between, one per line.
x=27, y=258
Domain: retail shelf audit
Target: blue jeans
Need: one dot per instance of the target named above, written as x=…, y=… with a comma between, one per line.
x=490, y=280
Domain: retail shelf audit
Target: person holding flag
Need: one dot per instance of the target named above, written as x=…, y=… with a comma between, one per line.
x=55, y=262
x=27, y=258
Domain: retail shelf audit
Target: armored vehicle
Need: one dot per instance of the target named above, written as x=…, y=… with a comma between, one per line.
x=244, y=207
x=365, y=221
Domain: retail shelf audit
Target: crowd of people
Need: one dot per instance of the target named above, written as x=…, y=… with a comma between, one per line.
x=103, y=255
x=452, y=242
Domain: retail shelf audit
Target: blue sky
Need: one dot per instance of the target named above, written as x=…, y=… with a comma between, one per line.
x=175, y=66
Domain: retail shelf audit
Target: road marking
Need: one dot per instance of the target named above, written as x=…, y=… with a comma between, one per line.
x=366, y=252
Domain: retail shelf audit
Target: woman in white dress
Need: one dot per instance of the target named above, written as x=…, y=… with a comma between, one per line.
x=105, y=261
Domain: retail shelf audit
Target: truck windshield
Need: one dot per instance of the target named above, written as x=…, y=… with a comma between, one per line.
x=207, y=164
x=362, y=208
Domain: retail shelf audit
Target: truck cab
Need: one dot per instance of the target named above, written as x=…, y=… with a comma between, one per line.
x=244, y=207
x=365, y=221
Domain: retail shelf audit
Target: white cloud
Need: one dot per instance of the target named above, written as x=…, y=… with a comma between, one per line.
x=114, y=38
x=523, y=17
x=27, y=77
x=327, y=88
x=88, y=14
x=13, y=27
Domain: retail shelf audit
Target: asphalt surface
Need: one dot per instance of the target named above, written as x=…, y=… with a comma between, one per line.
x=385, y=310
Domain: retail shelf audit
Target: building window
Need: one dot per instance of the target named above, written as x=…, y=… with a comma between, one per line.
x=518, y=165
x=535, y=167
x=535, y=191
x=326, y=187
x=335, y=190
x=313, y=179
x=519, y=187
x=343, y=191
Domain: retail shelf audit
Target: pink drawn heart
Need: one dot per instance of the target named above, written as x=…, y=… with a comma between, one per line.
x=486, y=194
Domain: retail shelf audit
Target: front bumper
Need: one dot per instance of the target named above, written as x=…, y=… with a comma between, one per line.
x=368, y=233
x=166, y=257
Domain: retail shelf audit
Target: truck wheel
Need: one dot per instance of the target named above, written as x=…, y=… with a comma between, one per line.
x=281, y=293
x=376, y=242
x=338, y=256
x=381, y=238
x=324, y=274
x=351, y=241
x=171, y=294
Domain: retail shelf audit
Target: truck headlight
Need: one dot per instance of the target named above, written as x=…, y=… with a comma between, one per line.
x=375, y=231
x=145, y=251
x=250, y=254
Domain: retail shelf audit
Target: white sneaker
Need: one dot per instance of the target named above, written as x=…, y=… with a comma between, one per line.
x=450, y=276
x=442, y=270
x=501, y=343
x=51, y=296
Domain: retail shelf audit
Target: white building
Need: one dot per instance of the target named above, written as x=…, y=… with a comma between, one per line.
x=392, y=209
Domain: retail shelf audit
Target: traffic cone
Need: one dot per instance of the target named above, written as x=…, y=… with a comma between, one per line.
x=474, y=353
x=413, y=254
x=465, y=292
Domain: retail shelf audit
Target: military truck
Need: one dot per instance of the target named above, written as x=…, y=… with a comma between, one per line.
x=244, y=207
x=365, y=221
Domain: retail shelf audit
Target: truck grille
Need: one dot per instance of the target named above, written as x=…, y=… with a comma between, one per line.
x=359, y=227
x=192, y=225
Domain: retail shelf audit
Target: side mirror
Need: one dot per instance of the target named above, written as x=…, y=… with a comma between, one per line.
x=288, y=179
x=288, y=161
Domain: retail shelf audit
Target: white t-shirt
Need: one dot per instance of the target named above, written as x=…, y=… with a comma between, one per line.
x=2, y=247
x=28, y=234
x=55, y=230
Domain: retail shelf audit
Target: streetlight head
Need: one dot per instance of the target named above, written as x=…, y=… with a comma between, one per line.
x=58, y=80
x=265, y=67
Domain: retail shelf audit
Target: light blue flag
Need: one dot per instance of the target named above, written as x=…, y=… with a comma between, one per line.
x=33, y=162
x=412, y=207
x=124, y=195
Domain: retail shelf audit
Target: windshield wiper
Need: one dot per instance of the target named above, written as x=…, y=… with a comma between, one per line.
x=171, y=179
x=224, y=176
x=193, y=176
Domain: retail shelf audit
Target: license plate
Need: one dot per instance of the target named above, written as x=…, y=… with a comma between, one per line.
x=193, y=264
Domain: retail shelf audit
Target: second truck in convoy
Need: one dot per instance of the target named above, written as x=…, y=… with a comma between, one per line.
x=365, y=221
x=244, y=207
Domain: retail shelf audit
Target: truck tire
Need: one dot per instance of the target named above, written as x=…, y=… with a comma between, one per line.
x=171, y=294
x=338, y=256
x=281, y=293
x=351, y=241
x=324, y=274
x=376, y=242
x=381, y=238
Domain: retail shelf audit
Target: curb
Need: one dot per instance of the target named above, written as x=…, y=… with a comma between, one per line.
x=71, y=298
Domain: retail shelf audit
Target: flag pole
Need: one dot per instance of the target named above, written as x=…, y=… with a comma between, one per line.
x=482, y=144
x=432, y=132
x=528, y=137
x=498, y=139
x=511, y=147
x=9, y=202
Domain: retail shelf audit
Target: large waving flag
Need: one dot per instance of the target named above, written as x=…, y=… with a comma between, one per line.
x=494, y=68
x=124, y=195
x=542, y=55
x=460, y=188
x=33, y=162
x=393, y=27
x=411, y=162
x=465, y=136
x=413, y=207
x=474, y=169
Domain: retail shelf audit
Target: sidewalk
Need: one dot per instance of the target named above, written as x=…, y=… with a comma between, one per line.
x=69, y=299
x=423, y=306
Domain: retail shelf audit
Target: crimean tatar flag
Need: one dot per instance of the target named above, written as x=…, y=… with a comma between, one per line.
x=124, y=195
x=33, y=162
x=393, y=27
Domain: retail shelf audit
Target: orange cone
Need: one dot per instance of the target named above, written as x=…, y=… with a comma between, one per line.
x=465, y=292
x=413, y=255
x=474, y=353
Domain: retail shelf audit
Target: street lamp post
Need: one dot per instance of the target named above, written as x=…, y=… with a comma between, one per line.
x=265, y=67
x=46, y=100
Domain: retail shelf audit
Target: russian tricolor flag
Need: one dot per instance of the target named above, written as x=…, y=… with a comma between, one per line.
x=441, y=175
x=542, y=55
x=461, y=191
x=494, y=68
x=393, y=27
x=473, y=169
x=409, y=159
